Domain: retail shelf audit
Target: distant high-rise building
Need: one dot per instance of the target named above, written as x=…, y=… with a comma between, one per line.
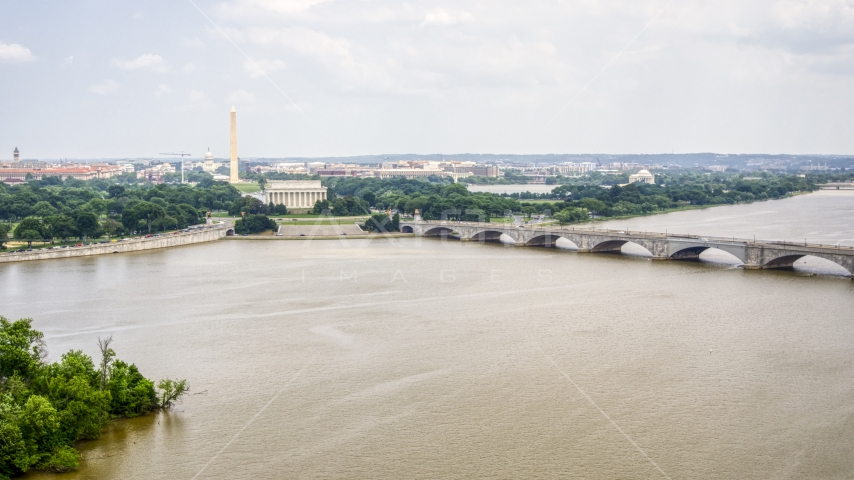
x=16, y=155
x=234, y=177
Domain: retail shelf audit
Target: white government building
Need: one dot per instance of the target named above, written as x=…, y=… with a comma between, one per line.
x=642, y=177
x=295, y=193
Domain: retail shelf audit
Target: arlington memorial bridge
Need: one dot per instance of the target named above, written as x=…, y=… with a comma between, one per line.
x=752, y=253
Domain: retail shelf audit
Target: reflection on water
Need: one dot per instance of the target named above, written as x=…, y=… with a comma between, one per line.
x=416, y=358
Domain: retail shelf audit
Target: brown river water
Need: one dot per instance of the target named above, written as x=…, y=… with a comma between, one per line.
x=418, y=358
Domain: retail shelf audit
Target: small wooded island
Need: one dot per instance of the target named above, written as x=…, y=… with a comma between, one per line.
x=46, y=408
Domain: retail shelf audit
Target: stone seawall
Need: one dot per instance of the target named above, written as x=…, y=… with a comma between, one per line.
x=208, y=234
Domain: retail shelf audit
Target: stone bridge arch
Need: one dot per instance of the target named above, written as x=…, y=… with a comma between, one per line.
x=692, y=253
x=616, y=246
x=787, y=260
x=487, y=234
x=439, y=231
x=549, y=239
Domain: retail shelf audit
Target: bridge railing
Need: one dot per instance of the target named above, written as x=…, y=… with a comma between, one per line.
x=643, y=234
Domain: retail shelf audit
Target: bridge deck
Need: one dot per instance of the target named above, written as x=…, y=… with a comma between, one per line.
x=628, y=234
x=673, y=246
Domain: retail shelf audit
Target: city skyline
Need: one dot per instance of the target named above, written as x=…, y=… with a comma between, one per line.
x=317, y=78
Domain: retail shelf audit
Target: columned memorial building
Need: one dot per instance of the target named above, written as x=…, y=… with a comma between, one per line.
x=295, y=194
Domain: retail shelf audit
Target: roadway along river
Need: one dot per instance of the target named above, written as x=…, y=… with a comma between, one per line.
x=416, y=358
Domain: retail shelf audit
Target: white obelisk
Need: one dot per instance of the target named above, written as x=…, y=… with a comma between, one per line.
x=234, y=178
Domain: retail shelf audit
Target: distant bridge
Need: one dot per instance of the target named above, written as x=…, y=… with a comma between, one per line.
x=837, y=186
x=753, y=254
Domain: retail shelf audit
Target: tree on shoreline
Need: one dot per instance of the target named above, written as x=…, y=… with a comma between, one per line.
x=254, y=224
x=45, y=408
x=29, y=230
x=4, y=235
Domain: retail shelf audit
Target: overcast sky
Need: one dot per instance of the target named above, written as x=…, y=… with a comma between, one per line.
x=89, y=79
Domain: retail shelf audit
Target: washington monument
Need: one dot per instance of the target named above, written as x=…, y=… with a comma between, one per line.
x=234, y=178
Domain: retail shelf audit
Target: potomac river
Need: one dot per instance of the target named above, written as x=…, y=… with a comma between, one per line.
x=418, y=358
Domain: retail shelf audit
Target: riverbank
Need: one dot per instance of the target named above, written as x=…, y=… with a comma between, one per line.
x=684, y=208
x=206, y=234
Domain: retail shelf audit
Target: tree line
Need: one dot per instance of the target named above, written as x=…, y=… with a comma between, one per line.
x=45, y=408
x=46, y=210
x=576, y=202
x=434, y=200
x=580, y=201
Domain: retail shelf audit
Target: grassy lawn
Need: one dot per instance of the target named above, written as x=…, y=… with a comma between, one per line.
x=15, y=244
x=247, y=187
x=344, y=221
x=304, y=219
x=501, y=219
x=555, y=200
x=311, y=215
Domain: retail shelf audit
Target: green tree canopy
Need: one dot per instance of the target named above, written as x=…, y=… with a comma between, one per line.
x=30, y=230
x=46, y=408
x=146, y=212
x=4, y=234
x=87, y=224
x=254, y=224
x=43, y=209
x=60, y=226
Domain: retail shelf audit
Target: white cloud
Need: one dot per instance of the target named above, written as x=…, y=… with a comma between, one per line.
x=15, y=53
x=106, y=88
x=192, y=42
x=196, y=96
x=262, y=8
x=444, y=18
x=734, y=75
x=147, y=61
x=69, y=59
x=257, y=68
x=163, y=89
x=241, y=97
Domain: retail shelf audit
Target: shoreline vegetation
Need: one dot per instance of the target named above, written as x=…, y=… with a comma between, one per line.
x=586, y=200
x=46, y=409
x=71, y=212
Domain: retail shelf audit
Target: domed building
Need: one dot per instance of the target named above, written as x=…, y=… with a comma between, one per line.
x=209, y=165
x=642, y=177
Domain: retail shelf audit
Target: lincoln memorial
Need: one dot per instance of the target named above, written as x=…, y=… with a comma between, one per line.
x=295, y=194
